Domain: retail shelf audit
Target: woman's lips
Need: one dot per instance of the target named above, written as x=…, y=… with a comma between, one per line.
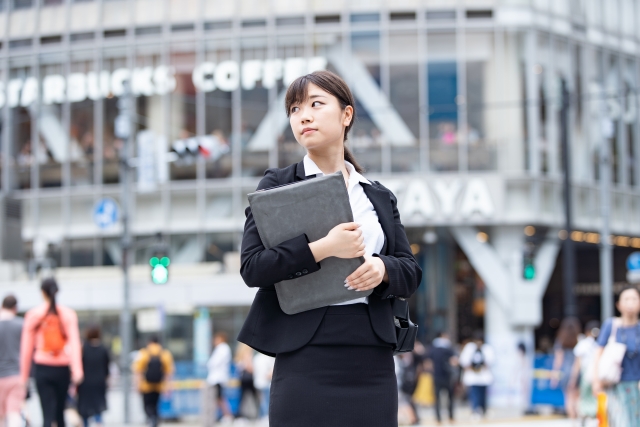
x=308, y=131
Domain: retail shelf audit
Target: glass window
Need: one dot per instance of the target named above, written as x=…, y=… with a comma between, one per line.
x=218, y=109
x=255, y=104
x=613, y=87
x=81, y=253
x=22, y=4
x=114, y=62
x=405, y=98
x=81, y=132
x=53, y=133
x=151, y=79
x=182, y=112
x=289, y=50
x=631, y=122
x=21, y=82
x=362, y=73
x=217, y=245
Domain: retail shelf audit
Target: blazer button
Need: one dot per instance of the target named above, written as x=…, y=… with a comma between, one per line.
x=298, y=274
x=305, y=271
x=290, y=276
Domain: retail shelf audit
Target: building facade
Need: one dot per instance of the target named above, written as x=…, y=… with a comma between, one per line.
x=458, y=105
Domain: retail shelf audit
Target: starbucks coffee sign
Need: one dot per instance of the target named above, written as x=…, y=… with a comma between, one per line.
x=148, y=81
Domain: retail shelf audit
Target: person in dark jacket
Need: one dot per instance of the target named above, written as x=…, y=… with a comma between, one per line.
x=92, y=393
x=443, y=359
x=334, y=365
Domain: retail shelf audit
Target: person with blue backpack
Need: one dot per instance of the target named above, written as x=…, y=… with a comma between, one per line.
x=153, y=369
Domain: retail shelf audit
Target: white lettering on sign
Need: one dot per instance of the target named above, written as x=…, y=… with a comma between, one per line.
x=148, y=81
x=228, y=76
x=418, y=200
x=444, y=198
x=476, y=200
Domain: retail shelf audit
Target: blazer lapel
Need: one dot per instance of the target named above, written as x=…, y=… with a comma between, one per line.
x=300, y=173
x=382, y=203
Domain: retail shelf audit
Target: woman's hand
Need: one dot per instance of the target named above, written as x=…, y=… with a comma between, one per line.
x=343, y=241
x=367, y=276
x=596, y=387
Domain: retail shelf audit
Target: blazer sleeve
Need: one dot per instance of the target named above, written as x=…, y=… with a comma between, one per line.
x=403, y=270
x=262, y=267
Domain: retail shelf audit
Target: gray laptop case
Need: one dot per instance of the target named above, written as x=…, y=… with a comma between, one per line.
x=314, y=207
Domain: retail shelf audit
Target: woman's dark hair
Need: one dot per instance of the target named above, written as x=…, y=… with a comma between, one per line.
x=93, y=333
x=568, y=333
x=50, y=289
x=628, y=288
x=333, y=84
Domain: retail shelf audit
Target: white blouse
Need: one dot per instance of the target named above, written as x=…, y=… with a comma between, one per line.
x=363, y=212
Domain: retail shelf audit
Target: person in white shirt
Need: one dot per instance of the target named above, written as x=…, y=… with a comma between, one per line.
x=476, y=359
x=219, y=367
x=262, y=373
x=582, y=372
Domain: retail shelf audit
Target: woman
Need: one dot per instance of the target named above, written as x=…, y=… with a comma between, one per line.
x=582, y=373
x=50, y=337
x=334, y=365
x=92, y=393
x=244, y=366
x=623, y=398
x=476, y=358
x=563, y=360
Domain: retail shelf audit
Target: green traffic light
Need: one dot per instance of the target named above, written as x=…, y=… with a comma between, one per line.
x=159, y=274
x=529, y=272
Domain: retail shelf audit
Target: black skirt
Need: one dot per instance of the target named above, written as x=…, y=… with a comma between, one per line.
x=344, y=377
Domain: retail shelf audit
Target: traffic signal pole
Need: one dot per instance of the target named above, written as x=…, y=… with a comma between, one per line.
x=606, y=252
x=568, y=249
x=126, y=133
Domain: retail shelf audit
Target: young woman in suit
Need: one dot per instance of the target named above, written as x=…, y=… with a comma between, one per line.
x=334, y=365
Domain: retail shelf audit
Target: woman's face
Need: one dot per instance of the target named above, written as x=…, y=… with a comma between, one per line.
x=629, y=302
x=319, y=121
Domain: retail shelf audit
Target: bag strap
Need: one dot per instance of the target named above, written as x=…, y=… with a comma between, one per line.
x=615, y=323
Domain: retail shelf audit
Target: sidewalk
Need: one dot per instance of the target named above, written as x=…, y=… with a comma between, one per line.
x=496, y=417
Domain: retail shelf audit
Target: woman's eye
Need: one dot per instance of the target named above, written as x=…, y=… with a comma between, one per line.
x=316, y=103
x=294, y=109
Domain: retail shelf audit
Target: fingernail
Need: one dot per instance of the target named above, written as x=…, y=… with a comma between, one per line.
x=350, y=288
x=346, y=280
x=346, y=285
x=357, y=290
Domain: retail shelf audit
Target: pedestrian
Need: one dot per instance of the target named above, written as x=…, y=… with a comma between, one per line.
x=582, y=373
x=476, y=358
x=51, y=339
x=334, y=365
x=563, y=359
x=262, y=374
x=244, y=367
x=219, y=367
x=92, y=393
x=443, y=359
x=153, y=369
x=624, y=397
x=12, y=389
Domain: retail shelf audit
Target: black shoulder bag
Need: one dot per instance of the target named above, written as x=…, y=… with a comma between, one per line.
x=406, y=330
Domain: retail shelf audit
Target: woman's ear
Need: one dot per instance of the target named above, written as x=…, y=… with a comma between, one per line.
x=347, y=115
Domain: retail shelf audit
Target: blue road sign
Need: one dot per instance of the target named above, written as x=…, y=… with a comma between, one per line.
x=633, y=261
x=105, y=213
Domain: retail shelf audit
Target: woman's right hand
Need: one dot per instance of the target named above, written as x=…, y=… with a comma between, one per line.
x=343, y=241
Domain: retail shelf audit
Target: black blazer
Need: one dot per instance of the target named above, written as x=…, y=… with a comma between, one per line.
x=267, y=328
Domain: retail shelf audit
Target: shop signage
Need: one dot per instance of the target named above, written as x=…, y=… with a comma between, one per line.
x=473, y=198
x=147, y=81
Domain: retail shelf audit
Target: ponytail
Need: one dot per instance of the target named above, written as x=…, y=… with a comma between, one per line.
x=50, y=289
x=349, y=157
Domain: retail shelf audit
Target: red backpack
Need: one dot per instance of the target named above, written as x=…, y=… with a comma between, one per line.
x=54, y=337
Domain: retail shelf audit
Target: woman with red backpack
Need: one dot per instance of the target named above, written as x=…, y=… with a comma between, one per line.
x=51, y=339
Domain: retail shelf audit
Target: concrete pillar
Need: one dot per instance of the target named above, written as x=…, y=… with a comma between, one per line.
x=513, y=305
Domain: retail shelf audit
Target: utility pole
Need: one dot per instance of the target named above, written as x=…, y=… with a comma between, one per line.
x=124, y=131
x=606, y=253
x=568, y=250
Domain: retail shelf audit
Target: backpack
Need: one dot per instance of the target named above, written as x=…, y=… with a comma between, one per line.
x=53, y=333
x=477, y=360
x=155, y=371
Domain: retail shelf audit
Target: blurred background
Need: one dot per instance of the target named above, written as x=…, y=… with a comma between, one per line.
x=167, y=113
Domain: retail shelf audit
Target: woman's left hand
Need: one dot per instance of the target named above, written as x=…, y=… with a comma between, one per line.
x=367, y=276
